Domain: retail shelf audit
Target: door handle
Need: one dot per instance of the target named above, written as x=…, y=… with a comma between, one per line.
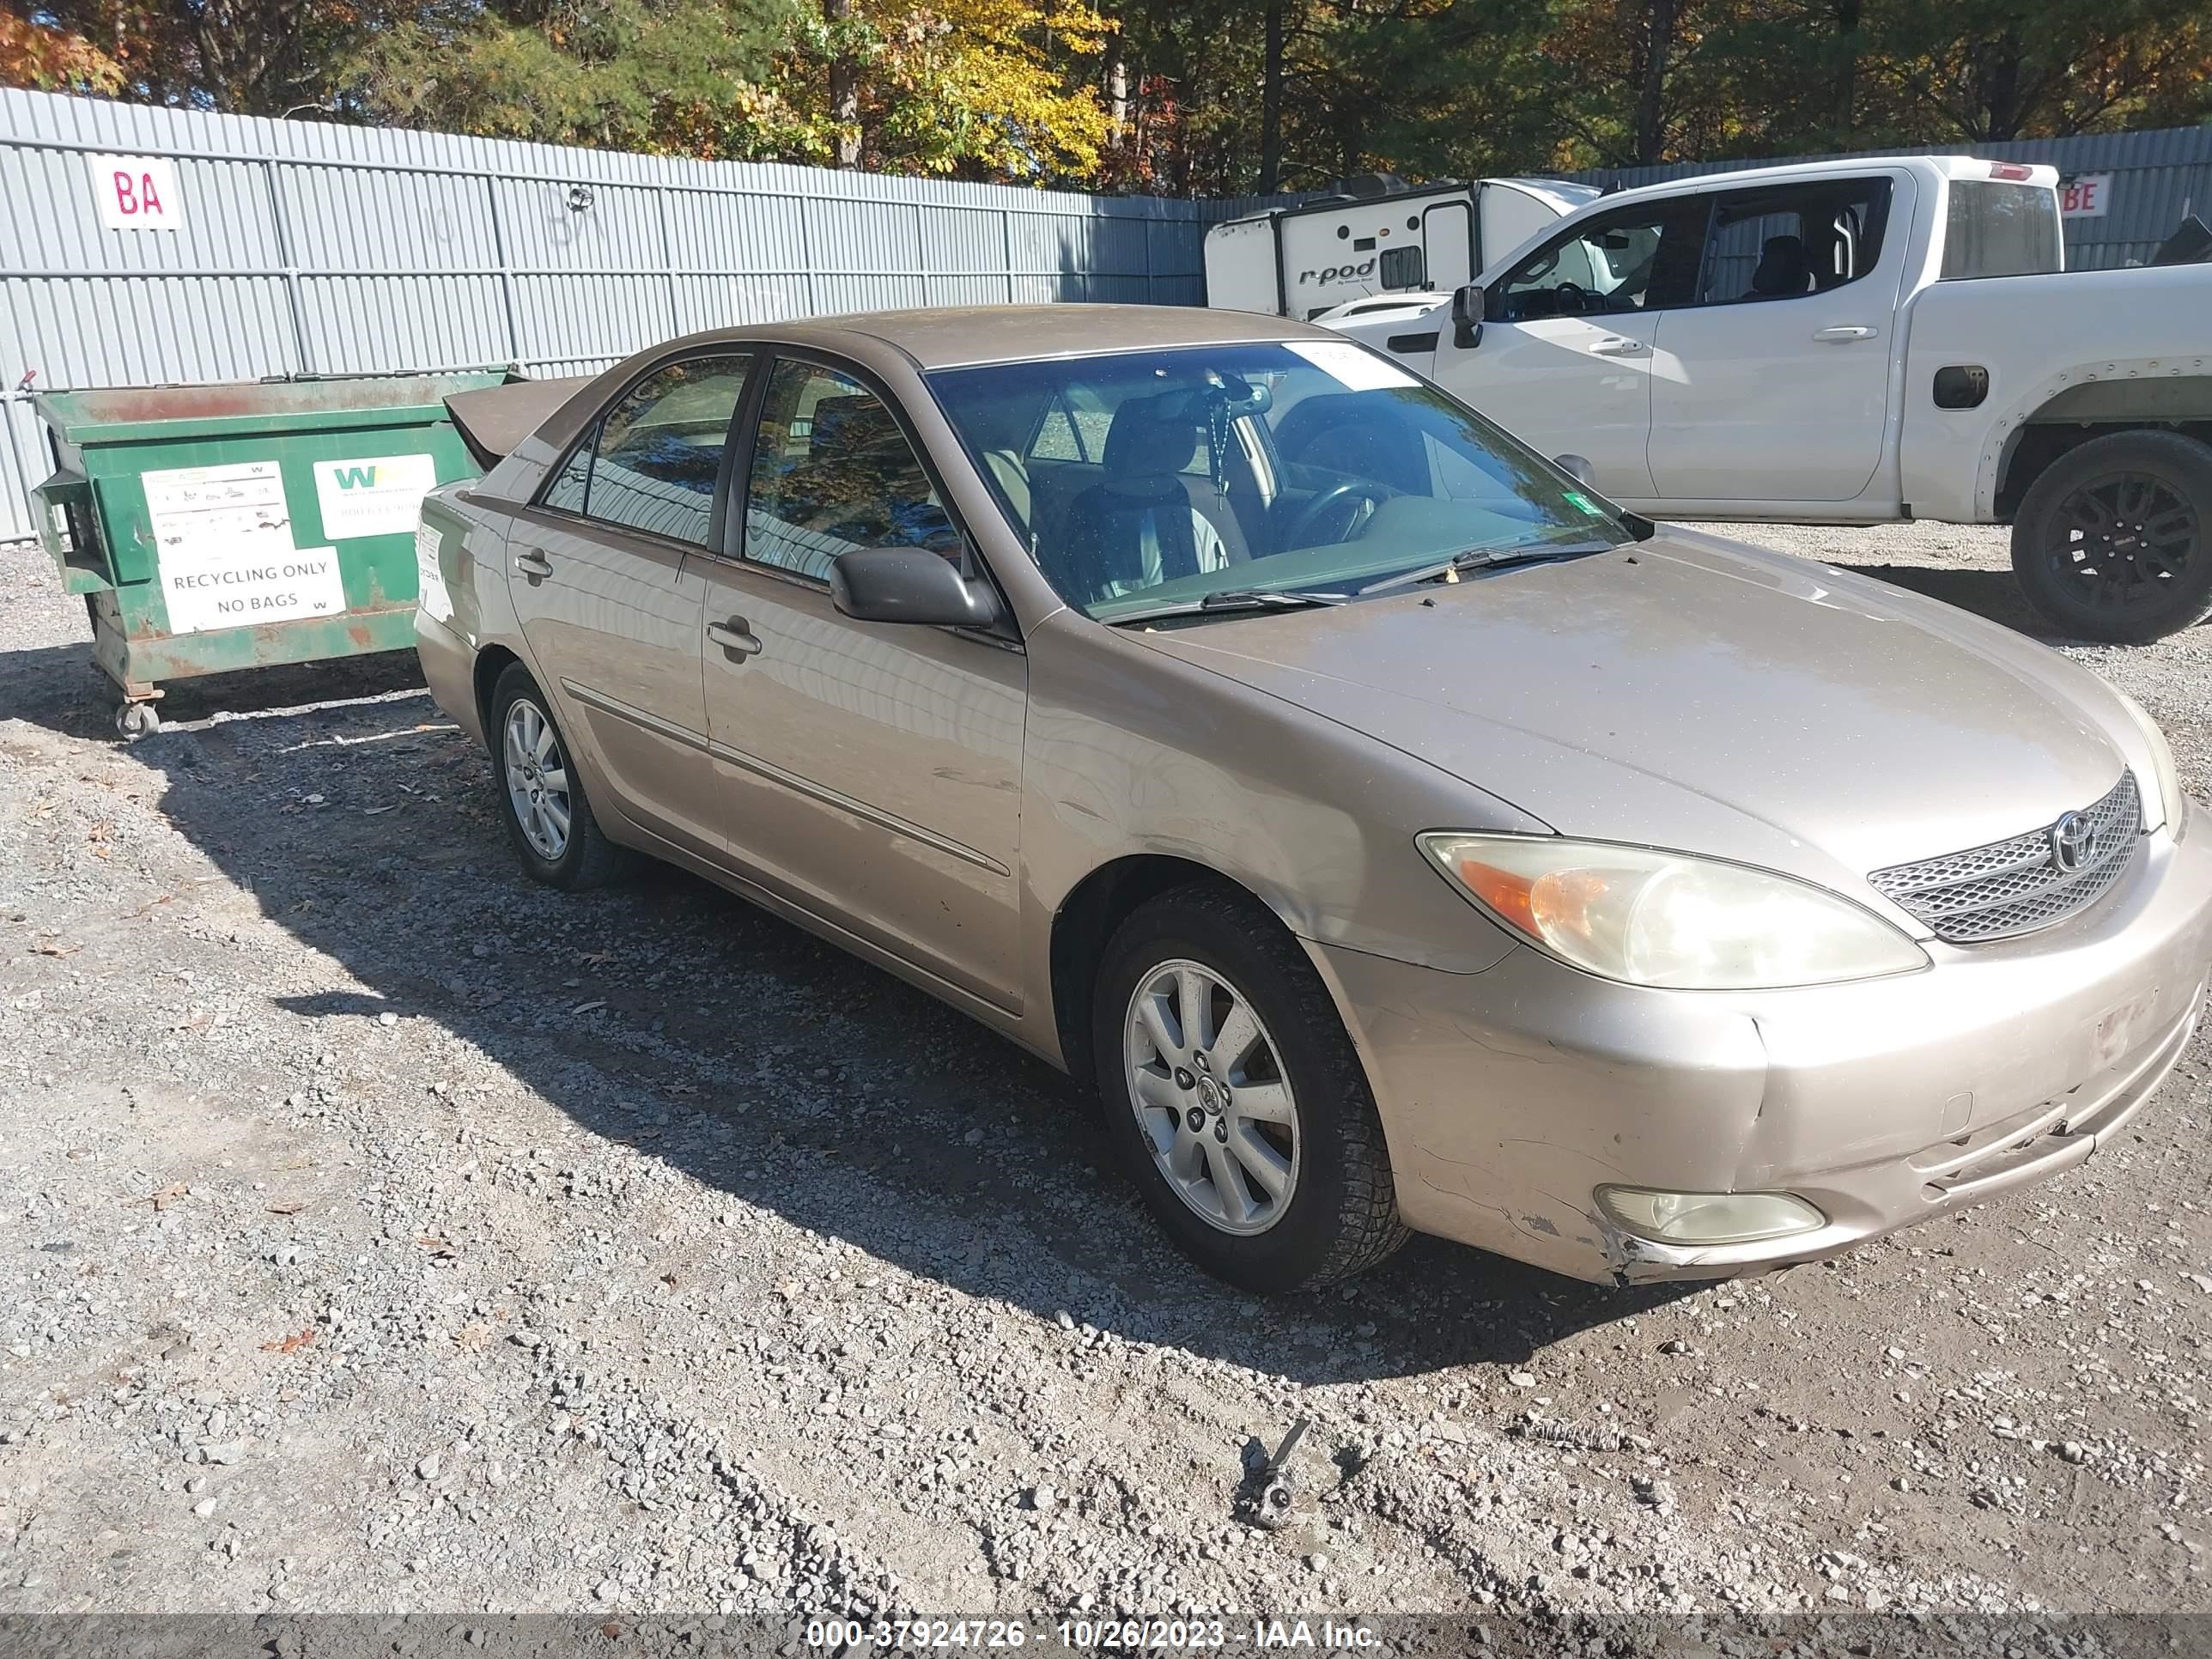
x=736, y=637
x=1842, y=334
x=534, y=565
x=1618, y=345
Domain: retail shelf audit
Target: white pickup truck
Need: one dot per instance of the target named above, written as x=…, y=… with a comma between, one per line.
x=1854, y=342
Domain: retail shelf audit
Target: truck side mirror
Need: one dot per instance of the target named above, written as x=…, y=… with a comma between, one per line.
x=1466, y=306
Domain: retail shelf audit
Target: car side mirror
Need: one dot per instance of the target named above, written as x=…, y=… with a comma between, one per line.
x=1578, y=468
x=1468, y=301
x=909, y=585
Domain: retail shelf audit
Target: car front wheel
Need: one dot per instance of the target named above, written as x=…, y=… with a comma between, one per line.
x=1236, y=1097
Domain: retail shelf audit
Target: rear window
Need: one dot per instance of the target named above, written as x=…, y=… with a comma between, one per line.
x=2001, y=230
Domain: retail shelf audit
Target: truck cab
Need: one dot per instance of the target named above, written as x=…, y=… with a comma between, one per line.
x=1852, y=342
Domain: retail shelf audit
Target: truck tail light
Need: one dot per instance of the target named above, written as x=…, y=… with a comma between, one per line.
x=2010, y=170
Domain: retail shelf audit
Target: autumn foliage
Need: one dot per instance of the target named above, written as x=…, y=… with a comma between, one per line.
x=1196, y=96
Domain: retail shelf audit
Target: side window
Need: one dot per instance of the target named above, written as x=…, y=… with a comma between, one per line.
x=1794, y=240
x=1058, y=438
x=650, y=461
x=572, y=488
x=832, y=472
x=1635, y=259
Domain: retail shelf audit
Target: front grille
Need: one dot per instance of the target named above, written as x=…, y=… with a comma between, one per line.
x=2015, y=885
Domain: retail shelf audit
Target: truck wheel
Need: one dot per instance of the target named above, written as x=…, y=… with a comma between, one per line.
x=2112, y=541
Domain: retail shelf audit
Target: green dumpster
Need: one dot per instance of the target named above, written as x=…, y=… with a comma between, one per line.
x=218, y=527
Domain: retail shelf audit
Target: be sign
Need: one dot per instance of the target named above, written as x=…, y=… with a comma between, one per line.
x=2088, y=196
x=136, y=193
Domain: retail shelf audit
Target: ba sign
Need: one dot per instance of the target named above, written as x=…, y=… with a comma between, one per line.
x=136, y=193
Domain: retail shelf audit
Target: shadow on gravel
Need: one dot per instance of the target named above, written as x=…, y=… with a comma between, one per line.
x=1992, y=594
x=666, y=1015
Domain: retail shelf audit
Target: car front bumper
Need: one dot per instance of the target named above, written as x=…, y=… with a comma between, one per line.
x=1508, y=1097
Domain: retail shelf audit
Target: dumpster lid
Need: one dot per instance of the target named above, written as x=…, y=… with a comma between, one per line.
x=133, y=414
x=493, y=420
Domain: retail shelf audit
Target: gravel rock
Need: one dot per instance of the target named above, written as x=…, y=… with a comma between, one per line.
x=706, y=1300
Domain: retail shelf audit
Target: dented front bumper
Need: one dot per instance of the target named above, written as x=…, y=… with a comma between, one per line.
x=1508, y=1097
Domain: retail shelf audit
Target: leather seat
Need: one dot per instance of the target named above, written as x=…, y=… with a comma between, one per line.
x=1138, y=525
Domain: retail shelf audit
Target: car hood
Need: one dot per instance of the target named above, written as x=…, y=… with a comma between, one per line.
x=1690, y=693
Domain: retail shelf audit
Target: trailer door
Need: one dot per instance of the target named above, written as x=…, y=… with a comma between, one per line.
x=1448, y=238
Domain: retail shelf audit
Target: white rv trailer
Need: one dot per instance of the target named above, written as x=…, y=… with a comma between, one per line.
x=1378, y=236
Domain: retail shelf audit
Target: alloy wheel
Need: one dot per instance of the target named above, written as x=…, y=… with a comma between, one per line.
x=1207, y=1082
x=2120, y=541
x=537, y=779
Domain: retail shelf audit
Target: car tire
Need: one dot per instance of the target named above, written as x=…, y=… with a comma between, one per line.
x=2109, y=497
x=533, y=767
x=1205, y=1178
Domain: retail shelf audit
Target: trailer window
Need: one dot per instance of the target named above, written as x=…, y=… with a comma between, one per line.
x=2001, y=230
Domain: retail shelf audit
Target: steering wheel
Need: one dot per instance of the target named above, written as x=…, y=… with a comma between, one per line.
x=1369, y=496
x=1572, y=297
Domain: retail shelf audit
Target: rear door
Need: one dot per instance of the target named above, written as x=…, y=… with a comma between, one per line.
x=605, y=572
x=1448, y=239
x=1773, y=384
x=871, y=772
x=1563, y=360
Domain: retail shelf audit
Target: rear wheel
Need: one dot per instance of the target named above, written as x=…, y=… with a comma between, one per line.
x=2112, y=541
x=541, y=796
x=1236, y=1098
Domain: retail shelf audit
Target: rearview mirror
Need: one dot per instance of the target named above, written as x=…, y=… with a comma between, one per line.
x=1466, y=306
x=909, y=585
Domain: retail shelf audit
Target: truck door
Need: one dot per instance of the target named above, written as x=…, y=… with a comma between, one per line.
x=1772, y=385
x=1564, y=359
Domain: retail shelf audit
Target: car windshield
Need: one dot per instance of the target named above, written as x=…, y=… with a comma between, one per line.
x=1141, y=482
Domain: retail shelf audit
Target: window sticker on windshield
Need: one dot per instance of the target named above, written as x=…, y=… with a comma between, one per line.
x=1577, y=498
x=1349, y=365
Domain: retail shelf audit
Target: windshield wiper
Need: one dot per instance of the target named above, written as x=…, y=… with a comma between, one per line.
x=1233, y=599
x=1479, y=558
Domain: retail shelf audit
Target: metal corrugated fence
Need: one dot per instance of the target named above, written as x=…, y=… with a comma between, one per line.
x=2157, y=178
x=306, y=247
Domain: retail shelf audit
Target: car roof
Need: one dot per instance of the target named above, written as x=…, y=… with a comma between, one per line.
x=947, y=336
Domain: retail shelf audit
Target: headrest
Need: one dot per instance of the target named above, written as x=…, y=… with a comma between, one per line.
x=1152, y=436
x=1783, y=267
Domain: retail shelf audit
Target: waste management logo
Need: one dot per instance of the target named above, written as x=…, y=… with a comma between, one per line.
x=375, y=495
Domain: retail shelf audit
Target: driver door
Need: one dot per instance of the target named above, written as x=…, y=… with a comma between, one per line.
x=1565, y=358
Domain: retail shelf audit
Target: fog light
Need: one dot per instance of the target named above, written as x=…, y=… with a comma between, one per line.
x=1709, y=1217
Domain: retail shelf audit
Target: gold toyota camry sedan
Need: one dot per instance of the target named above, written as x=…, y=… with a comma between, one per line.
x=1396, y=832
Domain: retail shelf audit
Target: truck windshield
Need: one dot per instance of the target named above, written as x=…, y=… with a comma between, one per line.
x=2001, y=230
x=1140, y=479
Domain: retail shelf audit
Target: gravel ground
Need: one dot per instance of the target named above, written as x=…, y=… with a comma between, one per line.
x=385, y=1233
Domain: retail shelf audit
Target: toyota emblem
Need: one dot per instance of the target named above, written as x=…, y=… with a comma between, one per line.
x=2073, y=842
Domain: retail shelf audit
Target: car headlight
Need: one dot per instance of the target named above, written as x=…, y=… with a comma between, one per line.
x=1668, y=920
x=2164, y=777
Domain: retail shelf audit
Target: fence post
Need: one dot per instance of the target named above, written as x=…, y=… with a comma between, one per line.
x=1006, y=249
x=667, y=257
x=506, y=272
x=290, y=268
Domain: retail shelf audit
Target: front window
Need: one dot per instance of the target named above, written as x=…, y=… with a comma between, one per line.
x=1143, y=480
x=1640, y=259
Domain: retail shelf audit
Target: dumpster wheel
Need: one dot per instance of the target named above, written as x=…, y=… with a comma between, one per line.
x=134, y=720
